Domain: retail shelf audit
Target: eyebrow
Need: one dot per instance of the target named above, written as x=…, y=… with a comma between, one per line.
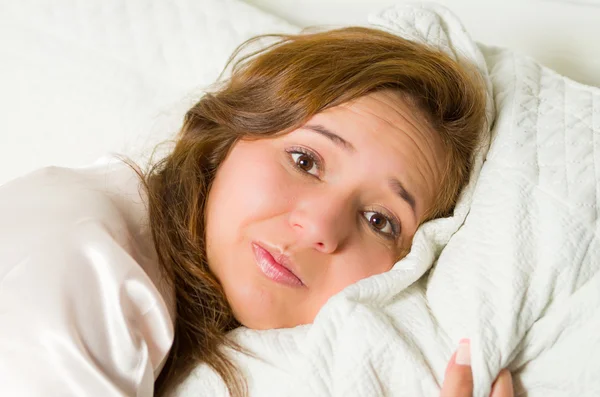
x=401, y=191
x=333, y=137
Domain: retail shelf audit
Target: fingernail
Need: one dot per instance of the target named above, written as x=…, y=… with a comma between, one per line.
x=463, y=354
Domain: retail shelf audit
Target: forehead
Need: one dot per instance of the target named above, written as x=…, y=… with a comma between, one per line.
x=382, y=121
x=383, y=115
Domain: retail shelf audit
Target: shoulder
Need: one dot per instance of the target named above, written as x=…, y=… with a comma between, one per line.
x=72, y=191
x=53, y=199
x=86, y=223
x=76, y=262
x=55, y=211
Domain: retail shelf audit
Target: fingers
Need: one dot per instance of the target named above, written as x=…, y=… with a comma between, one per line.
x=503, y=386
x=458, y=381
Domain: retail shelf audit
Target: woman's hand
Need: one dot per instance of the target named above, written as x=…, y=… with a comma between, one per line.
x=458, y=380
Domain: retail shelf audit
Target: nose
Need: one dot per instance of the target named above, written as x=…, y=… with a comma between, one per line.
x=322, y=222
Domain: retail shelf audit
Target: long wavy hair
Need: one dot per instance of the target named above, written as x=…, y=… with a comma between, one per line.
x=272, y=91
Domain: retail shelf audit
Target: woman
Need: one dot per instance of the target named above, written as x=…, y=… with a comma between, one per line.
x=324, y=153
x=309, y=169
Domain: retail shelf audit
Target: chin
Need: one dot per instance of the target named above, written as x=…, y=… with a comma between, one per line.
x=258, y=302
x=252, y=306
x=257, y=316
x=260, y=323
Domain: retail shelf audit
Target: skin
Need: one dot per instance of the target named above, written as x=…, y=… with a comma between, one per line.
x=458, y=379
x=330, y=222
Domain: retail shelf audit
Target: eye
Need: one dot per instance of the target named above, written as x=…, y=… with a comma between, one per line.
x=383, y=224
x=305, y=161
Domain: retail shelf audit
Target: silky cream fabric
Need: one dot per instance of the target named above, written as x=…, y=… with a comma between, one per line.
x=84, y=310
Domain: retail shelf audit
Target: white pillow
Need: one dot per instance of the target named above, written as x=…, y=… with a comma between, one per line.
x=80, y=79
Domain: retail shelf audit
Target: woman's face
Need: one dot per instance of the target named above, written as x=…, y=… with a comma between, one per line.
x=334, y=201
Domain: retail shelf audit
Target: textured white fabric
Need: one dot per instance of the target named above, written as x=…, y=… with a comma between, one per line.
x=516, y=267
x=83, y=308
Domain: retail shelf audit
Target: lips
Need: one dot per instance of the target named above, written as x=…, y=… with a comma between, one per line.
x=273, y=269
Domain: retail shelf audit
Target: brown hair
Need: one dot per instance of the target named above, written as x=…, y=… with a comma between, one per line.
x=273, y=91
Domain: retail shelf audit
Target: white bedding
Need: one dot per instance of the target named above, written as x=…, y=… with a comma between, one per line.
x=518, y=263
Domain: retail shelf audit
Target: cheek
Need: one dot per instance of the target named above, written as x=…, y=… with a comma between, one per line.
x=248, y=187
x=361, y=263
x=248, y=191
x=353, y=266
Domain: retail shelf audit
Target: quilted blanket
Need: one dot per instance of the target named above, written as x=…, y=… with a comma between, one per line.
x=515, y=269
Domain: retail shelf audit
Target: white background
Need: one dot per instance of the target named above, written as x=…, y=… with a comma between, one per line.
x=564, y=35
